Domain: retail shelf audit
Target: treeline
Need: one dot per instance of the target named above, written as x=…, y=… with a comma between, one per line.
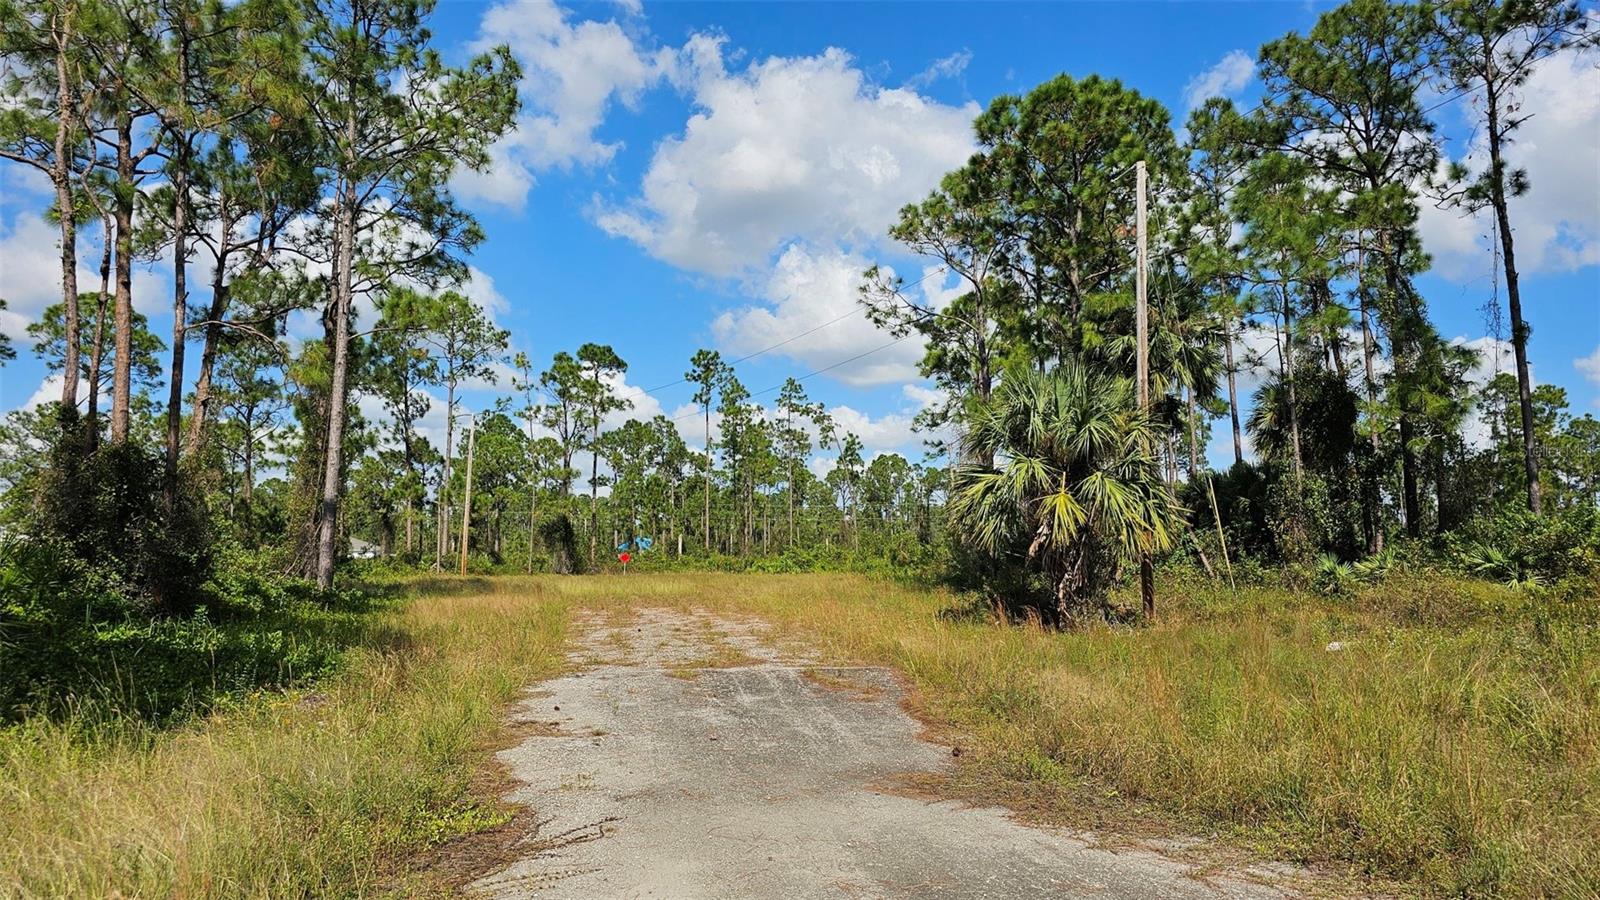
x=560, y=480
x=1283, y=238
x=292, y=158
x=285, y=156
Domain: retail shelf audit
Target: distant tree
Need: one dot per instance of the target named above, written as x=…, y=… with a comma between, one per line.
x=252, y=407
x=397, y=123
x=630, y=452
x=403, y=367
x=795, y=410
x=563, y=388
x=846, y=480
x=705, y=372
x=600, y=365
x=524, y=382
x=462, y=345
x=1217, y=156
x=1345, y=97
x=740, y=446
x=498, y=476
x=1575, y=456
x=1289, y=245
x=50, y=344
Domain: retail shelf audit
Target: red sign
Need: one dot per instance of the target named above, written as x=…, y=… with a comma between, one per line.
x=625, y=558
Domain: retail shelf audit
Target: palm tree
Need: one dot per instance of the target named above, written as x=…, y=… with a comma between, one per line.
x=1075, y=490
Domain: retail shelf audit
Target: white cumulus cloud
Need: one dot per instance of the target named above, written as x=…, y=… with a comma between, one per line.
x=574, y=71
x=1225, y=79
x=808, y=289
x=789, y=148
x=1589, y=368
x=1557, y=222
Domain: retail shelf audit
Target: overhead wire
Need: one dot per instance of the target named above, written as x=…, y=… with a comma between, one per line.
x=857, y=310
x=700, y=410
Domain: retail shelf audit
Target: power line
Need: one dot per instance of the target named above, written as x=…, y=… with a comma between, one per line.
x=699, y=410
x=857, y=310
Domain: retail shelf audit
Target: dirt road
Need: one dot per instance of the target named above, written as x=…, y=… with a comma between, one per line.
x=688, y=759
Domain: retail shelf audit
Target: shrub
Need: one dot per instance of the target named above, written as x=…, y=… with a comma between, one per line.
x=71, y=636
x=1332, y=577
x=561, y=538
x=1517, y=548
x=105, y=507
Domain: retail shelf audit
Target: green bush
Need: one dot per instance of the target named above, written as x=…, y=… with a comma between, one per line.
x=105, y=506
x=1560, y=550
x=71, y=638
x=115, y=596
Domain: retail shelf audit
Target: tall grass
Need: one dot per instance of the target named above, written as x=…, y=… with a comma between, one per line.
x=1451, y=739
x=312, y=794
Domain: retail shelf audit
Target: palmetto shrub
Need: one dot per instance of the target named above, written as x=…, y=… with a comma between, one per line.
x=1062, y=483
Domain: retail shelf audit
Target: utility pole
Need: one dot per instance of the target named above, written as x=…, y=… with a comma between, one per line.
x=466, y=505
x=1147, y=575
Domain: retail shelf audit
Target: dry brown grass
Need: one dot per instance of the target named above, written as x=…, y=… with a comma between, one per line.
x=1458, y=751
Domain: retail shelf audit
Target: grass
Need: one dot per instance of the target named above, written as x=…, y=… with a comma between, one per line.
x=284, y=795
x=1453, y=742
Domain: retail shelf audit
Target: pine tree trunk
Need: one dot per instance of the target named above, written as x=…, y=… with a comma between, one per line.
x=122, y=362
x=442, y=542
x=61, y=175
x=1286, y=363
x=533, y=524
x=180, y=300
x=97, y=349
x=706, y=523
x=332, y=468
x=594, y=488
x=1233, y=393
x=200, y=414
x=1519, y=328
x=247, y=492
x=1369, y=351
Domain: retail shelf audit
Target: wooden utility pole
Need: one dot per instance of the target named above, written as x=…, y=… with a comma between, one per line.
x=466, y=504
x=1147, y=576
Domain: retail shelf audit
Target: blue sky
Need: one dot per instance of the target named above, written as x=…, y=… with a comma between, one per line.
x=689, y=175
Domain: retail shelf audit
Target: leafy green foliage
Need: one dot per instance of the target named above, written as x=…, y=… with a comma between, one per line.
x=1078, y=492
x=72, y=638
x=1517, y=548
x=104, y=507
x=561, y=539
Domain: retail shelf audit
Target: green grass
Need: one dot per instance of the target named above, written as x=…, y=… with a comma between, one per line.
x=1453, y=743
x=315, y=793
